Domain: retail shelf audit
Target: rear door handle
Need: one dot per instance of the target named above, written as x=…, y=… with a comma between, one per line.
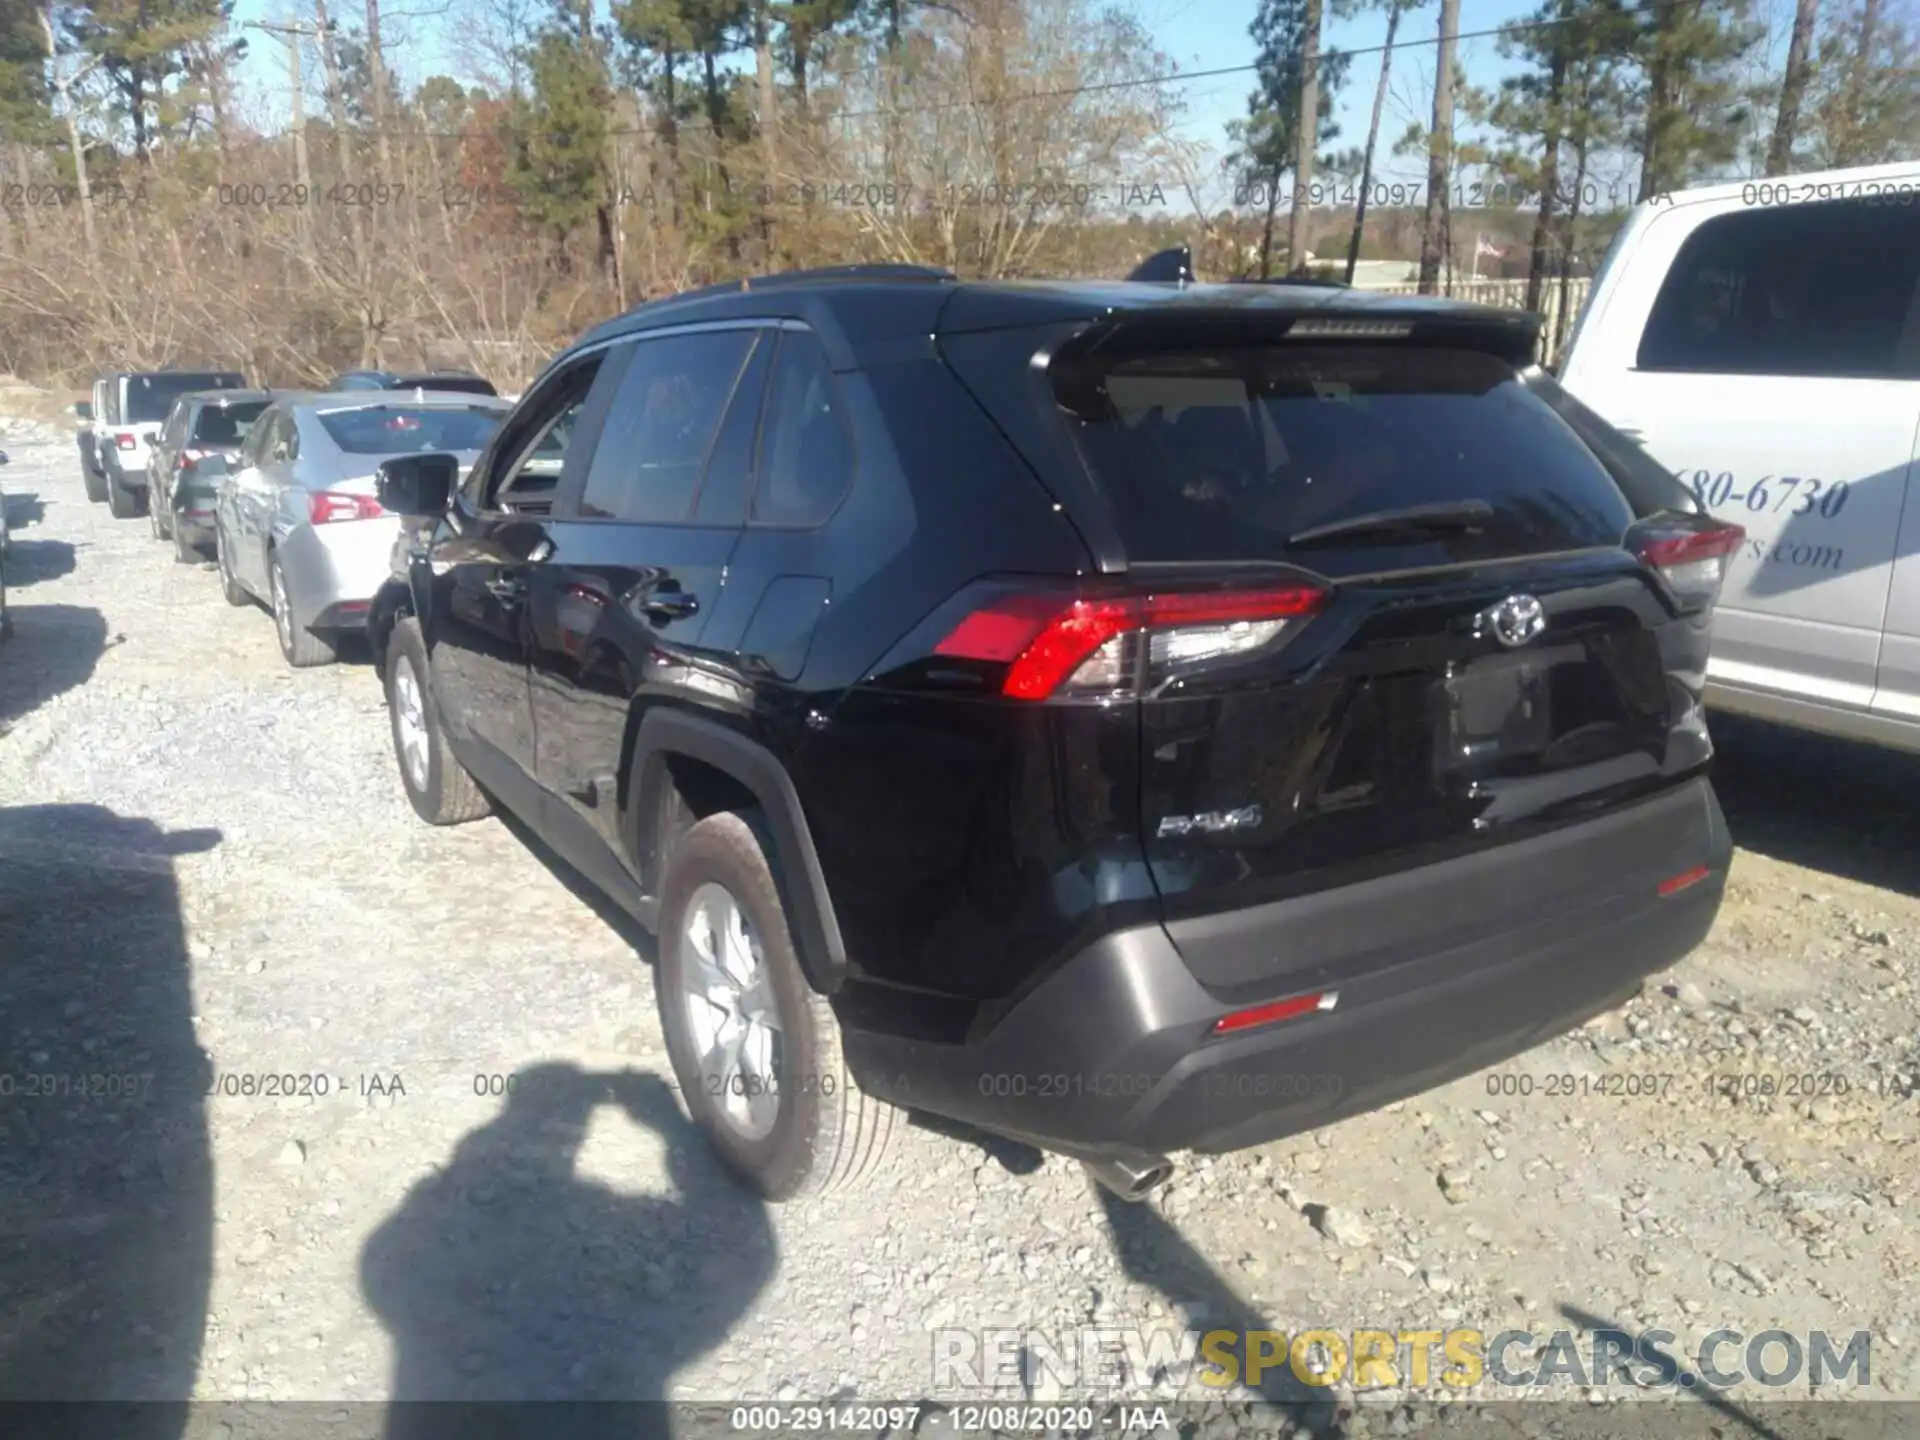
x=671, y=605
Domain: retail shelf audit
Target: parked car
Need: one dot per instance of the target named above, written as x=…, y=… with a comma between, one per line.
x=6, y=549
x=94, y=478
x=180, y=494
x=1128, y=717
x=296, y=521
x=461, y=382
x=128, y=410
x=1763, y=340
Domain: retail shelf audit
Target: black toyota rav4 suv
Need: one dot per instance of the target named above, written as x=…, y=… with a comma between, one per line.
x=1127, y=717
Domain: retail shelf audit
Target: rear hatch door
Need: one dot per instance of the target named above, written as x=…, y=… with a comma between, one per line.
x=1488, y=661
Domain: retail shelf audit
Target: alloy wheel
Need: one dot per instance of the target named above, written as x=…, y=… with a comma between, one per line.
x=731, y=1012
x=282, y=611
x=410, y=723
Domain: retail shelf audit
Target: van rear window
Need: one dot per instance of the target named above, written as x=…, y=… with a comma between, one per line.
x=1227, y=454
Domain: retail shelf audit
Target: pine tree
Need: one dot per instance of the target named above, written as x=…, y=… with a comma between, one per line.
x=144, y=48
x=1690, y=94
x=1267, y=142
x=557, y=136
x=1793, y=85
x=1865, y=89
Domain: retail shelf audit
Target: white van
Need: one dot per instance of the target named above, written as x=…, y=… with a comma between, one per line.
x=1762, y=340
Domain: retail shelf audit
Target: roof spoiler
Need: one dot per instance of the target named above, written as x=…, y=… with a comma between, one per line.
x=1175, y=267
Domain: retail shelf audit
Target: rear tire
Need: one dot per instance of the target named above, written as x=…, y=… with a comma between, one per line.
x=95, y=481
x=437, y=784
x=183, y=553
x=153, y=518
x=122, y=503
x=303, y=649
x=817, y=1132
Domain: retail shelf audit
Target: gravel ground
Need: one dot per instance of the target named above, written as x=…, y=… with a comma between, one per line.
x=208, y=872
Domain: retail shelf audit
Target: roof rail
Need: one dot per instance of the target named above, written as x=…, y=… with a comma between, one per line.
x=848, y=272
x=807, y=277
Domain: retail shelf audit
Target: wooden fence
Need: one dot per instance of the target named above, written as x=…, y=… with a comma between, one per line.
x=1512, y=295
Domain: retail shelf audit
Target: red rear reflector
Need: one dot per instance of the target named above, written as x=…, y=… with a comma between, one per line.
x=1044, y=638
x=326, y=506
x=125, y=442
x=1278, y=1010
x=1685, y=878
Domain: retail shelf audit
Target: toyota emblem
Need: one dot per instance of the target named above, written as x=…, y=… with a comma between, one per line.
x=1515, y=620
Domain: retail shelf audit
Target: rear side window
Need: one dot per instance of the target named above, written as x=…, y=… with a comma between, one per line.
x=1814, y=290
x=226, y=424
x=806, y=452
x=176, y=427
x=1230, y=454
x=661, y=424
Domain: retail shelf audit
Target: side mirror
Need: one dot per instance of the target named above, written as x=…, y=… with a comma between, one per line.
x=84, y=410
x=418, y=486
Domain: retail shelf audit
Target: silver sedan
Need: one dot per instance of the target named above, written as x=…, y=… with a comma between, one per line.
x=297, y=525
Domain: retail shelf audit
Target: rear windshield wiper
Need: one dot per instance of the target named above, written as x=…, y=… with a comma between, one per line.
x=1444, y=515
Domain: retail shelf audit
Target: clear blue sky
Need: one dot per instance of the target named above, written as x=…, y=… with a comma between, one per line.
x=1213, y=34
x=1195, y=34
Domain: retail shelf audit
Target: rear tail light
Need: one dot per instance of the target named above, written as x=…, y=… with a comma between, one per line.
x=193, y=456
x=1063, y=645
x=1691, y=553
x=124, y=440
x=326, y=506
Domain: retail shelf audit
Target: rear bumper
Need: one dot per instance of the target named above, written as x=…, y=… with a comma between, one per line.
x=1113, y=1055
x=334, y=571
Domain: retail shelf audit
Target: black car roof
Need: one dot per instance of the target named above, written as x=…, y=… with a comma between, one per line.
x=862, y=312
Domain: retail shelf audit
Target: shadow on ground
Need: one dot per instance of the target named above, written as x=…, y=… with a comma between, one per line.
x=1153, y=1252
x=24, y=508
x=54, y=649
x=508, y=1277
x=106, y=1182
x=1831, y=805
x=29, y=562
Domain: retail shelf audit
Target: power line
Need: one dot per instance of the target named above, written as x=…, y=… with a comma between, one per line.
x=1172, y=77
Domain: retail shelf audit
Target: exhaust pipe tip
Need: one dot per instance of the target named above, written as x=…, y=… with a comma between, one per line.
x=1132, y=1180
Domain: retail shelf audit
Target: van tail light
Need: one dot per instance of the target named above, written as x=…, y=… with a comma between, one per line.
x=1691, y=552
x=124, y=440
x=326, y=506
x=1072, y=646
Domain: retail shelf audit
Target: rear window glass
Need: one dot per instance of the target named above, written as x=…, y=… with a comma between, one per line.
x=398, y=429
x=150, y=397
x=227, y=424
x=1228, y=454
